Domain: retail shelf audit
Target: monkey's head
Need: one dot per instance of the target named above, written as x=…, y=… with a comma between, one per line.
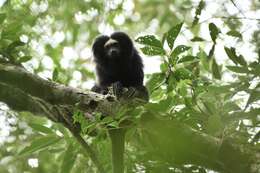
x=116, y=47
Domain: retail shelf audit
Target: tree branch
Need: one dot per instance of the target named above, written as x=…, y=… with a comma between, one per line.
x=54, y=93
x=24, y=91
x=18, y=100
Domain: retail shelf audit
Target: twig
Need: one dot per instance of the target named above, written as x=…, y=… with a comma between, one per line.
x=88, y=150
x=240, y=11
x=239, y=18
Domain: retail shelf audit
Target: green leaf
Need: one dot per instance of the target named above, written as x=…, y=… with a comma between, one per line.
x=178, y=50
x=204, y=59
x=107, y=119
x=231, y=52
x=172, y=34
x=218, y=89
x=215, y=70
x=24, y=59
x=2, y=17
x=152, y=51
x=254, y=96
x=235, y=33
x=149, y=40
x=237, y=69
x=40, y=143
x=164, y=38
x=160, y=107
x=12, y=31
x=114, y=124
x=212, y=50
x=187, y=58
x=153, y=46
x=241, y=60
x=182, y=74
x=256, y=70
x=155, y=80
x=55, y=74
x=14, y=44
x=198, y=13
x=68, y=160
x=41, y=128
x=214, y=31
x=214, y=124
x=197, y=39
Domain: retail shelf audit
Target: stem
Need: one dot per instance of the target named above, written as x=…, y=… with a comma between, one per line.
x=117, y=137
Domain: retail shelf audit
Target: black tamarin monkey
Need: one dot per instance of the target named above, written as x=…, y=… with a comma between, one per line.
x=117, y=62
x=119, y=65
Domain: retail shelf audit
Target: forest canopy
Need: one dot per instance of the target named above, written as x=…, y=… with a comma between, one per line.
x=202, y=71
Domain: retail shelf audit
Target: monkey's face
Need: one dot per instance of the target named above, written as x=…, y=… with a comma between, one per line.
x=112, y=48
x=117, y=47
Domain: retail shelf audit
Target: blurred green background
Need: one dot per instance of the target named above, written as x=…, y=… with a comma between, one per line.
x=210, y=84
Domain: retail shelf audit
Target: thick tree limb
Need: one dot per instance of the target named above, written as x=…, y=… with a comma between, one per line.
x=54, y=93
x=24, y=91
x=178, y=144
x=18, y=100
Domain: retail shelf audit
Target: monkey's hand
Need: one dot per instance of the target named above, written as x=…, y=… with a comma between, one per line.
x=139, y=92
x=98, y=89
x=117, y=89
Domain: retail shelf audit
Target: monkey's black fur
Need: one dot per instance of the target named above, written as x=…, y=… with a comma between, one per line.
x=117, y=61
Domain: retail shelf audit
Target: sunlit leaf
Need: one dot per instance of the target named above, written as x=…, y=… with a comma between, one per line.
x=12, y=31
x=41, y=128
x=211, y=52
x=14, y=45
x=198, y=12
x=149, y=40
x=182, y=74
x=214, y=124
x=55, y=74
x=204, y=59
x=237, y=69
x=40, y=143
x=215, y=70
x=235, y=33
x=231, y=52
x=172, y=34
x=256, y=70
x=152, y=51
x=188, y=58
x=114, y=124
x=218, y=89
x=161, y=107
x=178, y=50
x=254, y=96
x=197, y=39
x=155, y=80
x=2, y=17
x=68, y=159
x=241, y=60
x=214, y=31
x=24, y=59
